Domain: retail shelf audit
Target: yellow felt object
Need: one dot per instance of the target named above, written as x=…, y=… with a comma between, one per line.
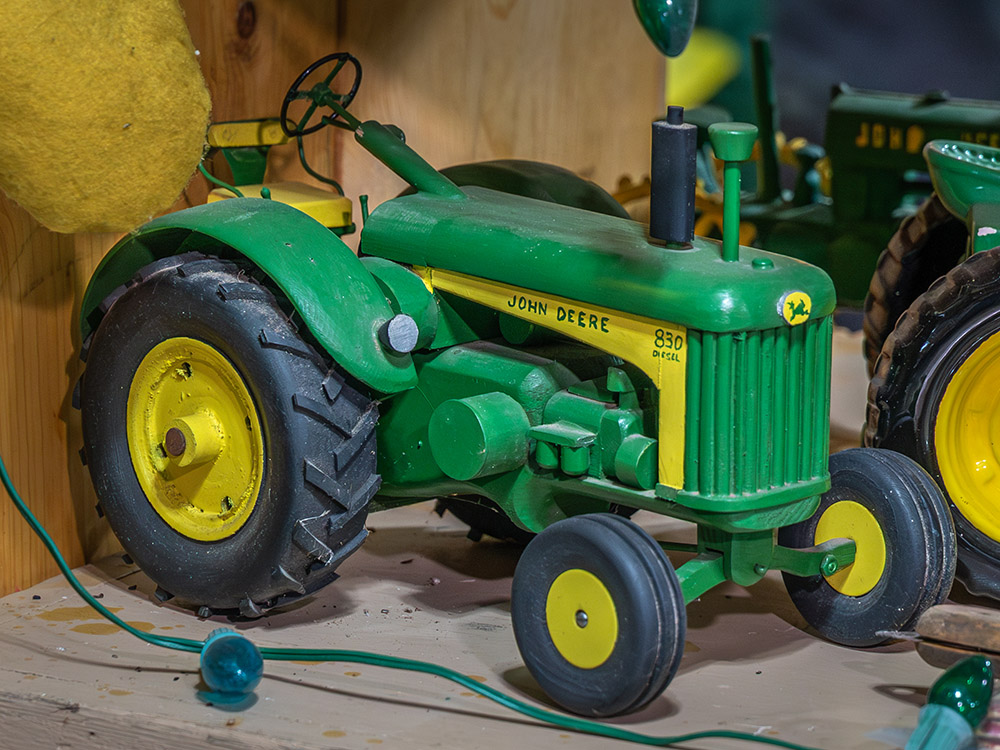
x=710, y=61
x=103, y=110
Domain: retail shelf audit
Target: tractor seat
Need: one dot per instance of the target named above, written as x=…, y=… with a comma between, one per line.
x=329, y=209
x=245, y=145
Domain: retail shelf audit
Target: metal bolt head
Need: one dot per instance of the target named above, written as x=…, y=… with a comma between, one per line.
x=174, y=443
x=828, y=566
x=581, y=619
x=399, y=334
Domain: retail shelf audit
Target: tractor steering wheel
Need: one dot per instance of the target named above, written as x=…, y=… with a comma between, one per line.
x=320, y=94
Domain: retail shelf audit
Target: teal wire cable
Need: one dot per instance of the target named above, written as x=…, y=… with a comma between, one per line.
x=583, y=726
x=215, y=180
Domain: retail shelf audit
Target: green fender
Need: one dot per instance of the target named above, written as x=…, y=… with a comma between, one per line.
x=336, y=297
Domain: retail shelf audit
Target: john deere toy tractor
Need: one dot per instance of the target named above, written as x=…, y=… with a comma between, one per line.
x=253, y=389
x=935, y=302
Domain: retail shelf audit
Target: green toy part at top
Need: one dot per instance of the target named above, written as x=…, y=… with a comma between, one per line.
x=253, y=390
x=850, y=193
x=668, y=23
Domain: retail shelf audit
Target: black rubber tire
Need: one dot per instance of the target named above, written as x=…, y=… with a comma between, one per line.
x=937, y=334
x=483, y=517
x=318, y=438
x=926, y=246
x=535, y=179
x=919, y=542
x=647, y=597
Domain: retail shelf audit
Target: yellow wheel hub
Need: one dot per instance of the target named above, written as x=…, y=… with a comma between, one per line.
x=581, y=618
x=195, y=439
x=967, y=438
x=850, y=520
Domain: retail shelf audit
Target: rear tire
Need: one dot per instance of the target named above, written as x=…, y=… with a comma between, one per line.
x=926, y=246
x=279, y=496
x=934, y=396
x=535, y=179
x=483, y=517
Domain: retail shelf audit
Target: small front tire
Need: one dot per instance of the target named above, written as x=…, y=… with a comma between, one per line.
x=598, y=615
x=905, y=538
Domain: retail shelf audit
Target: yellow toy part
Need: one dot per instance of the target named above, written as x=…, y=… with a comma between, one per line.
x=710, y=61
x=329, y=209
x=581, y=618
x=850, y=520
x=195, y=439
x=966, y=434
x=103, y=110
x=246, y=134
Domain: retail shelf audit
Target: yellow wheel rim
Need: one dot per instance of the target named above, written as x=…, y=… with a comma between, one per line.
x=967, y=436
x=195, y=439
x=850, y=520
x=581, y=618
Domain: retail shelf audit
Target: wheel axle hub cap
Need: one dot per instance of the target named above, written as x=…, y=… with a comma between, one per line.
x=847, y=519
x=967, y=436
x=195, y=439
x=581, y=618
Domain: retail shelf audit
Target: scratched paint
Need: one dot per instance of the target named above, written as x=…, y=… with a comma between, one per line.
x=334, y=733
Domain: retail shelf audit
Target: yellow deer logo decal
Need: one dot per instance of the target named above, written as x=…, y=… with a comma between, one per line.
x=795, y=308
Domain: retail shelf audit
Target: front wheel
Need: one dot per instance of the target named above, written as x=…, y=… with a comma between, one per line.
x=233, y=463
x=598, y=615
x=905, y=559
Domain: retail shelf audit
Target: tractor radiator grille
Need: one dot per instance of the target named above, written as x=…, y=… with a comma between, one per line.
x=758, y=409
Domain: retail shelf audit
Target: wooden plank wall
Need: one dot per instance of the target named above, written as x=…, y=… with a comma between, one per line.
x=573, y=82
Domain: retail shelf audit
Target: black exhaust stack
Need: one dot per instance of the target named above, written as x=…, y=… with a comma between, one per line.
x=672, y=178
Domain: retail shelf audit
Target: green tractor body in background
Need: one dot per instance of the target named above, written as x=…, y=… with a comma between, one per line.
x=850, y=194
x=932, y=325
x=253, y=389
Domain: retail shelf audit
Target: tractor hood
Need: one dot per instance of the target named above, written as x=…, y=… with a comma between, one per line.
x=594, y=258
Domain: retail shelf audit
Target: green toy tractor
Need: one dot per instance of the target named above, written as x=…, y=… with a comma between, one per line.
x=934, y=393
x=253, y=390
x=851, y=193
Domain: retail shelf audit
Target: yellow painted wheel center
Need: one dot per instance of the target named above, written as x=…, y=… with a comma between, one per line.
x=967, y=438
x=195, y=439
x=581, y=618
x=850, y=520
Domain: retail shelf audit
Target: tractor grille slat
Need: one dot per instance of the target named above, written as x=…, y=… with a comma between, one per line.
x=758, y=409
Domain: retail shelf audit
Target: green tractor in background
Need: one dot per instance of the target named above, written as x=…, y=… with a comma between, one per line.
x=935, y=303
x=253, y=390
x=850, y=194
